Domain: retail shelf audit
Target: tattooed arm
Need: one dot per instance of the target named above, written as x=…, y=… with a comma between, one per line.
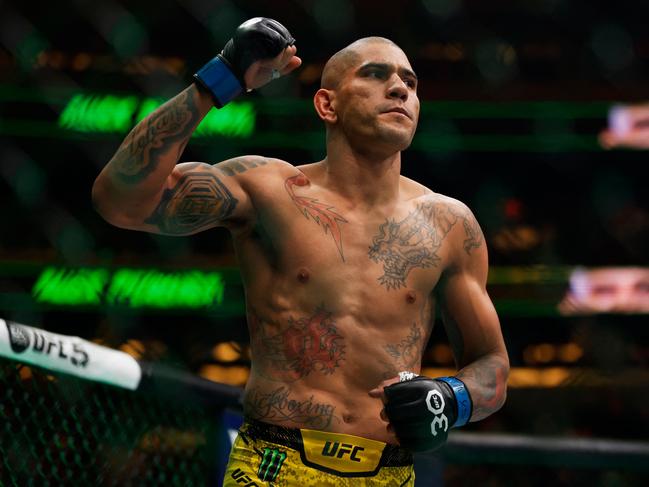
x=143, y=173
x=471, y=321
x=142, y=188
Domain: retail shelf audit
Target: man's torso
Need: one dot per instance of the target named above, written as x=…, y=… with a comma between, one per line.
x=338, y=298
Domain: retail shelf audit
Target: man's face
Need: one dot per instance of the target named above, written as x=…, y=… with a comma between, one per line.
x=622, y=290
x=376, y=99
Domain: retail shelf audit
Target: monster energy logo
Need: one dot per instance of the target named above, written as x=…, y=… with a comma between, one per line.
x=270, y=464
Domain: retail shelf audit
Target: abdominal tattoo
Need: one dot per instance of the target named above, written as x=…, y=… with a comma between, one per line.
x=405, y=355
x=290, y=352
x=414, y=241
x=277, y=405
x=321, y=213
x=198, y=201
x=139, y=154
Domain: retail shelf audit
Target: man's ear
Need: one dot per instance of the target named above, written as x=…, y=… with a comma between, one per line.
x=325, y=103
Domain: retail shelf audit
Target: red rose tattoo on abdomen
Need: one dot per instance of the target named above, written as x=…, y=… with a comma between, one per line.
x=306, y=345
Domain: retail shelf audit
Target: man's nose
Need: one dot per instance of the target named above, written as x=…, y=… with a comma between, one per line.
x=398, y=88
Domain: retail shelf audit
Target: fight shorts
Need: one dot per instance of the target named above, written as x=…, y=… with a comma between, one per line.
x=269, y=455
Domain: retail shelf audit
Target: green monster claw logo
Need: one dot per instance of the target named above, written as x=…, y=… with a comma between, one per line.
x=271, y=462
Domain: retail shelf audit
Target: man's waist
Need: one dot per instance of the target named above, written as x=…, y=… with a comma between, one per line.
x=339, y=452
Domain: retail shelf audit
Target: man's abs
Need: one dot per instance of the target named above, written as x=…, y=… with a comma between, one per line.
x=314, y=369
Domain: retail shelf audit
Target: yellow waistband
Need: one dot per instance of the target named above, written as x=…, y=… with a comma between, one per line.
x=340, y=452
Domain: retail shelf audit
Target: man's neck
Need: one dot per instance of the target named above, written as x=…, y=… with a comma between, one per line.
x=363, y=179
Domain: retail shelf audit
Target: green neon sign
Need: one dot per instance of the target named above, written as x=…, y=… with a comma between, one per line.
x=132, y=288
x=118, y=114
x=72, y=287
x=92, y=113
x=156, y=289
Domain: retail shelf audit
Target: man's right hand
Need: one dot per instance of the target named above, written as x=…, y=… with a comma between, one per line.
x=261, y=50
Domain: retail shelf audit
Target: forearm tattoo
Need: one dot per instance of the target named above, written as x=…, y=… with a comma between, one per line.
x=321, y=213
x=168, y=128
x=486, y=380
x=405, y=355
x=278, y=405
x=289, y=352
x=198, y=201
x=239, y=165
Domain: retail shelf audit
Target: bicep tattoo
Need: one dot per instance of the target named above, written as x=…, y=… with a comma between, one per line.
x=198, y=201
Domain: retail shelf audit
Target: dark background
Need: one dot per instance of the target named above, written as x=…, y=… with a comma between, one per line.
x=513, y=96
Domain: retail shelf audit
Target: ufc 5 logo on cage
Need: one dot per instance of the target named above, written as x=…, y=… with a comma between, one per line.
x=22, y=338
x=241, y=478
x=435, y=404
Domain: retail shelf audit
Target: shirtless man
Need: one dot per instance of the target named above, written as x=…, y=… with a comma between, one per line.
x=344, y=262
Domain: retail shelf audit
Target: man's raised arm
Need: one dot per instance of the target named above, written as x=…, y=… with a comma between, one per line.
x=142, y=185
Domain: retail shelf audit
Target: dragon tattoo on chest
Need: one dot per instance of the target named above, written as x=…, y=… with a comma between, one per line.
x=414, y=242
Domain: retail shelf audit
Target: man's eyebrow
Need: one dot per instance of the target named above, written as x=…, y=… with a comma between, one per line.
x=386, y=67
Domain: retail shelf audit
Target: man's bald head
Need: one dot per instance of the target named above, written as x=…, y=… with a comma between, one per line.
x=345, y=59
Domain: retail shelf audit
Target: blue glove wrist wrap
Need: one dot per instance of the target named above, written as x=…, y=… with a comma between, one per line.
x=464, y=403
x=217, y=77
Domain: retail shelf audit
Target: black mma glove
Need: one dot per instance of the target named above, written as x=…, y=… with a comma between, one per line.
x=422, y=410
x=255, y=39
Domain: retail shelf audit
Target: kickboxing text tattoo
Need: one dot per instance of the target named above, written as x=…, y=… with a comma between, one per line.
x=321, y=213
x=140, y=152
x=278, y=405
x=198, y=201
x=290, y=352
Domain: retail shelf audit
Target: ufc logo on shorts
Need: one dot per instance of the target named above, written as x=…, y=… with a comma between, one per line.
x=435, y=404
x=241, y=478
x=342, y=449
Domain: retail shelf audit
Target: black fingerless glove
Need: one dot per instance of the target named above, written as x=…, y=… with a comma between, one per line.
x=255, y=39
x=422, y=410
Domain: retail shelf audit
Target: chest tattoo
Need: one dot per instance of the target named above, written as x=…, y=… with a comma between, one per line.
x=321, y=213
x=411, y=243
